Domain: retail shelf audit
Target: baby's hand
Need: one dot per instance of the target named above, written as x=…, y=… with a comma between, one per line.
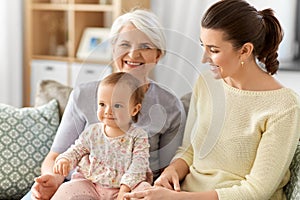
x=62, y=167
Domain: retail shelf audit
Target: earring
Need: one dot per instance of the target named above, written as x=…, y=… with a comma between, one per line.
x=242, y=63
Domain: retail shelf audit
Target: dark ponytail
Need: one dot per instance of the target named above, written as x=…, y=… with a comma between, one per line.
x=273, y=36
x=242, y=23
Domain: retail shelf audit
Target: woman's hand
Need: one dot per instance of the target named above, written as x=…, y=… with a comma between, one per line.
x=153, y=193
x=45, y=186
x=168, y=179
x=62, y=167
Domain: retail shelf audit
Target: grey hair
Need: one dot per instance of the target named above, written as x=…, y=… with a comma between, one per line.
x=145, y=21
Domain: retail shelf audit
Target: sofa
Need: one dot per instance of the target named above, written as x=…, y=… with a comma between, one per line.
x=26, y=135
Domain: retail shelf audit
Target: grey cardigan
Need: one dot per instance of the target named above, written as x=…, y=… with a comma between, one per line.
x=162, y=117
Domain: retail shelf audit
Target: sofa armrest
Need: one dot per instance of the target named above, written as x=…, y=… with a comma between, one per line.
x=292, y=189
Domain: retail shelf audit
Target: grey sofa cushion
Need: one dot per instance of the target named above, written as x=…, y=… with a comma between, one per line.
x=50, y=89
x=185, y=99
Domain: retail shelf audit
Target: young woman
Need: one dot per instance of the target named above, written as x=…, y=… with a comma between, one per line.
x=243, y=125
x=118, y=151
x=138, y=44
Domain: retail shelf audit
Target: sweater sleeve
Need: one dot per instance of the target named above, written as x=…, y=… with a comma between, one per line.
x=273, y=157
x=77, y=150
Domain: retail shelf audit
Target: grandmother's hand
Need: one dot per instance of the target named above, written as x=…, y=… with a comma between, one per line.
x=45, y=186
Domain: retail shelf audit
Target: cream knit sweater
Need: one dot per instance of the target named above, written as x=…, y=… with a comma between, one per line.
x=239, y=143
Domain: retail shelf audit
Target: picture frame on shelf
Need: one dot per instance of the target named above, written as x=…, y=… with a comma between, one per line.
x=94, y=45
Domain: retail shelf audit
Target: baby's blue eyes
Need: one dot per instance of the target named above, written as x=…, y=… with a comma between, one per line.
x=118, y=105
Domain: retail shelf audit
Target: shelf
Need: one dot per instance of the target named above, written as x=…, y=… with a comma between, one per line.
x=50, y=39
x=93, y=8
x=73, y=7
x=89, y=1
x=90, y=61
x=57, y=58
x=53, y=32
x=67, y=59
x=49, y=6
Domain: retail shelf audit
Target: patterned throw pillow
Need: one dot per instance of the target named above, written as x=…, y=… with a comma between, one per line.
x=292, y=189
x=26, y=135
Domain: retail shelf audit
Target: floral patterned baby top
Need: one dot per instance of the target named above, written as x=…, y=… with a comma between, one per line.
x=109, y=161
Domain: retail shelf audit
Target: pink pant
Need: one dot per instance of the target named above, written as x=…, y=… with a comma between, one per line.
x=79, y=189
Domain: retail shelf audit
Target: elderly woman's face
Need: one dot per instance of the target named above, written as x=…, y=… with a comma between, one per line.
x=133, y=52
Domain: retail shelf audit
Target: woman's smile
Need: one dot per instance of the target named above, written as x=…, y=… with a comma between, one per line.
x=133, y=64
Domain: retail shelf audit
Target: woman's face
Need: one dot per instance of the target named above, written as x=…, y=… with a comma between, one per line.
x=223, y=58
x=133, y=52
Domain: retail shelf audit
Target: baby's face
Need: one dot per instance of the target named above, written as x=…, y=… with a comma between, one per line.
x=115, y=107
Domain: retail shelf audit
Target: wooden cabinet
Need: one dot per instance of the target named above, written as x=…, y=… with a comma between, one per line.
x=53, y=30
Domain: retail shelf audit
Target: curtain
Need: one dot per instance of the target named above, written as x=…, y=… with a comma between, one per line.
x=181, y=18
x=181, y=66
x=3, y=54
x=11, y=52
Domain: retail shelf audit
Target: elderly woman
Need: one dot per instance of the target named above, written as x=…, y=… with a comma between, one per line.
x=138, y=44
